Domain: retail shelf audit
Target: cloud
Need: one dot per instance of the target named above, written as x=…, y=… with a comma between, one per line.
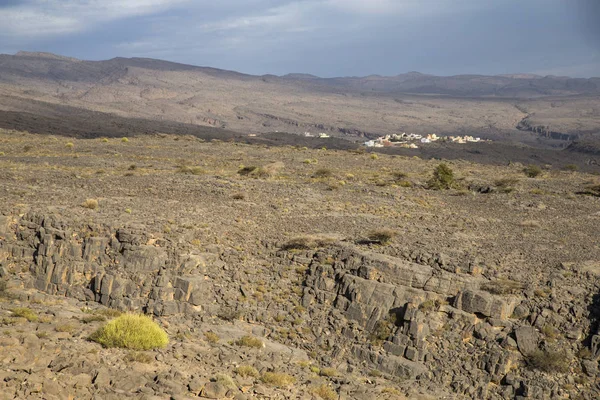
x=34, y=18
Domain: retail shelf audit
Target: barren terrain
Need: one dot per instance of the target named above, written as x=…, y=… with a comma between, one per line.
x=486, y=290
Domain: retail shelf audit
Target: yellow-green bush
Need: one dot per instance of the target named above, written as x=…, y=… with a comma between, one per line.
x=26, y=313
x=131, y=331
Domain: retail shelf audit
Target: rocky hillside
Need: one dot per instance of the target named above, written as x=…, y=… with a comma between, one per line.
x=293, y=273
x=492, y=107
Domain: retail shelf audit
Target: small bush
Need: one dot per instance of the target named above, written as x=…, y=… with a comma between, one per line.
x=381, y=236
x=325, y=392
x=246, y=371
x=69, y=145
x=266, y=171
x=24, y=312
x=308, y=242
x=247, y=170
x=250, y=341
x=532, y=171
x=506, y=183
x=328, y=372
x=190, y=170
x=124, y=140
x=238, y=196
x=88, y=319
x=68, y=328
x=549, y=361
x=131, y=331
x=277, y=379
x=591, y=190
x=211, y=337
x=225, y=380
x=322, y=173
x=503, y=286
x=571, y=167
x=92, y=204
x=374, y=156
x=140, y=357
x=443, y=178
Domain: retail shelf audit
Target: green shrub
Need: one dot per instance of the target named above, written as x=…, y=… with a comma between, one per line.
x=443, y=178
x=24, y=312
x=131, y=331
x=571, y=167
x=532, y=171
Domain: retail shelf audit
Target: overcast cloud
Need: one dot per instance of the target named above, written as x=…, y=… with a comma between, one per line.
x=322, y=37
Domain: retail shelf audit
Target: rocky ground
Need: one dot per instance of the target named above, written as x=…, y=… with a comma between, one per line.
x=270, y=284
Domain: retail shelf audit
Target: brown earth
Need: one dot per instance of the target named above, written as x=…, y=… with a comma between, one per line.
x=487, y=290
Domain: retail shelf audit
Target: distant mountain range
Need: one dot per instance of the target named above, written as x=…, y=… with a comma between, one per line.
x=344, y=106
x=52, y=66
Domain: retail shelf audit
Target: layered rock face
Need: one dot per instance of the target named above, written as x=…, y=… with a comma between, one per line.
x=416, y=319
x=123, y=269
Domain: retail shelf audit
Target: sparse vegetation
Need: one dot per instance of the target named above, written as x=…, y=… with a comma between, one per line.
x=277, y=379
x=92, y=204
x=184, y=169
x=322, y=173
x=549, y=361
x=211, y=337
x=131, y=331
x=25, y=312
x=503, y=286
x=382, y=236
x=66, y=327
x=225, y=380
x=250, y=341
x=443, y=178
x=247, y=371
x=308, y=242
x=532, y=171
x=139, y=356
x=328, y=372
x=325, y=392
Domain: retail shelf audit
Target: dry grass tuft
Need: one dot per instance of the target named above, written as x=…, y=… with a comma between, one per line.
x=277, y=379
x=309, y=242
x=24, y=312
x=246, y=371
x=324, y=392
x=250, y=341
x=92, y=204
x=503, y=286
x=381, y=236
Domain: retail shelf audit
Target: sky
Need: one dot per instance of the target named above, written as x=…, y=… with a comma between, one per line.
x=322, y=37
